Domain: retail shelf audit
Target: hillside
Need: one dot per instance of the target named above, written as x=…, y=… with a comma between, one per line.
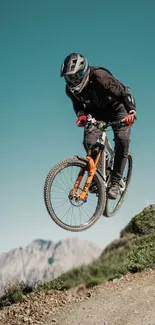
x=125, y=271
x=133, y=252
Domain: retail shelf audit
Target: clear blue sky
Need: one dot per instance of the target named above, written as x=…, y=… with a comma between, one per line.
x=37, y=121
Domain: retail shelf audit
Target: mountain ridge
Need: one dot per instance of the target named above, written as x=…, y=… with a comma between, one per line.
x=43, y=260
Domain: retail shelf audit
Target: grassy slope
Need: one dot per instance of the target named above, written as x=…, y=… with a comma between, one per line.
x=133, y=252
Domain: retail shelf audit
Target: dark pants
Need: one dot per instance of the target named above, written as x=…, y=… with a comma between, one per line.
x=121, y=139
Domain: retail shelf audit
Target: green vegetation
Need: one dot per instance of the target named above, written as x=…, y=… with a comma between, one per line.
x=133, y=252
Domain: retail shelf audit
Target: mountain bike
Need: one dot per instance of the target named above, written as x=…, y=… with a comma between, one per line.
x=75, y=189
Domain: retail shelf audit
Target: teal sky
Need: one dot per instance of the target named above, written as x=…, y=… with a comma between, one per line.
x=37, y=120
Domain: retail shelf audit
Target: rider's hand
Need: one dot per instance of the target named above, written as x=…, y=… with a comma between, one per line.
x=81, y=121
x=129, y=119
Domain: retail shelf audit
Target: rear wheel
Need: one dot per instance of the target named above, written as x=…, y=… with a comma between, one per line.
x=112, y=206
x=70, y=213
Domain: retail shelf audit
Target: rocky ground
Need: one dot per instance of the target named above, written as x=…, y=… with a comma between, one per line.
x=127, y=301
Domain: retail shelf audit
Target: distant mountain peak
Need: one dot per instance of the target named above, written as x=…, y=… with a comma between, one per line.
x=43, y=260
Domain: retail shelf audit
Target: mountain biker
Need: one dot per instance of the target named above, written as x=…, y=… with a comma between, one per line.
x=94, y=90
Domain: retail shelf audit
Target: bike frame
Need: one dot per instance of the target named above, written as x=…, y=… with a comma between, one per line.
x=103, y=139
x=104, y=145
x=92, y=165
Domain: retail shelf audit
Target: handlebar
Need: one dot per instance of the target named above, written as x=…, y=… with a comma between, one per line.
x=102, y=125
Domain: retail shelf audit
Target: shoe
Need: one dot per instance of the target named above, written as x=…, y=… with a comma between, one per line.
x=113, y=191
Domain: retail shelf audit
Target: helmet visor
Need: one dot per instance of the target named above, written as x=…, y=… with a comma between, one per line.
x=76, y=78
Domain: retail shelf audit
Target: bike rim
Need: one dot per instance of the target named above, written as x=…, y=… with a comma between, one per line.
x=69, y=211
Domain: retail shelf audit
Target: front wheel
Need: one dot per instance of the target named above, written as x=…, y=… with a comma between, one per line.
x=112, y=206
x=66, y=211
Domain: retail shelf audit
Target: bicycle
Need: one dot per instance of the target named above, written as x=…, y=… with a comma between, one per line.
x=93, y=169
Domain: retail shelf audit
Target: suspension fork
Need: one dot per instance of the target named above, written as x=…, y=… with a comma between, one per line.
x=91, y=172
x=78, y=180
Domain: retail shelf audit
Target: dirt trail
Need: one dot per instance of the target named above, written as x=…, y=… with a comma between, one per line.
x=128, y=301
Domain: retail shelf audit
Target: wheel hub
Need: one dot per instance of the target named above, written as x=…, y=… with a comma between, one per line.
x=74, y=199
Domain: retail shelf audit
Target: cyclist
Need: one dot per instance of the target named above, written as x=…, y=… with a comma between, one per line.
x=94, y=90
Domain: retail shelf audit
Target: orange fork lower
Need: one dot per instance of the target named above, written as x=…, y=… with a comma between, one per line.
x=78, y=181
x=92, y=170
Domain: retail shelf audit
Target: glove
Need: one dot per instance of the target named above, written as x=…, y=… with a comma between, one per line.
x=81, y=121
x=129, y=119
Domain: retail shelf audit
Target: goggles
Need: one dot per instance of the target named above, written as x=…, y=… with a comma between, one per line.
x=75, y=78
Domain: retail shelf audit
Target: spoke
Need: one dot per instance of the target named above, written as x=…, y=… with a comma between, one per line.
x=59, y=198
x=80, y=214
x=56, y=192
x=71, y=177
x=65, y=180
x=61, y=204
x=71, y=215
x=86, y=219
x=86, y=212
x=59, y=187
x=63, y=183
x=92, y=203
x=71, y=207
x=66, y=212
x=74, y=216
x=87, y=209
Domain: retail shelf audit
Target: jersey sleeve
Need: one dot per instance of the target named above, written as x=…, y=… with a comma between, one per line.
x=77, y=105
x=115, y=88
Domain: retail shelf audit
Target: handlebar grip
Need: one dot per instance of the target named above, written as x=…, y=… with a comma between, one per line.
x=103, y=125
